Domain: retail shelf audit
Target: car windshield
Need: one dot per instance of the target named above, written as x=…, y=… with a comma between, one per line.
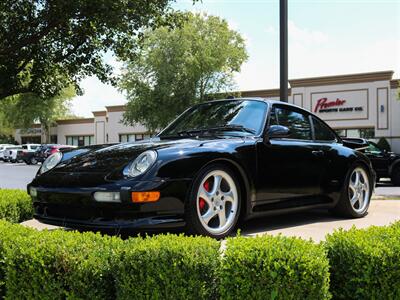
x=373, y=148
x=244, y=116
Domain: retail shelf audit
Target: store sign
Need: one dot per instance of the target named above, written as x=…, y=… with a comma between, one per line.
x=32, y=131
x=342, y=105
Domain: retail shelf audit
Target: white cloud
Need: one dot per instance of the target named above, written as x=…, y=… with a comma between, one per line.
x=316, y=53
x=271, y=30
x=97, y=95
x=305, y=35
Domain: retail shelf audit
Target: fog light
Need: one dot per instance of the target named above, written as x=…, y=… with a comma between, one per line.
x=107, y=197
x=141, y=197
x=33, y=192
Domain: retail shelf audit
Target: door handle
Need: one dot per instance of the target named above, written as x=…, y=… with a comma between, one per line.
x=318, y=153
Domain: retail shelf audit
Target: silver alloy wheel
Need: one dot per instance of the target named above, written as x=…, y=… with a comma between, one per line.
x=217, y=202
x=359, y=191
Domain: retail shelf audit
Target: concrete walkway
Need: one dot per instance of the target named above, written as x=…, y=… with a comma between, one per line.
x=317, y=224
x=313, y=224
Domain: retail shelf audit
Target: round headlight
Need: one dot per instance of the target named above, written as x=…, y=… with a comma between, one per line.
x=51, y=162
x=142, y=163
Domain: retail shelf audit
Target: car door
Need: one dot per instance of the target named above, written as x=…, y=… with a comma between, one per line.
x=290, y=167
x=326, y=142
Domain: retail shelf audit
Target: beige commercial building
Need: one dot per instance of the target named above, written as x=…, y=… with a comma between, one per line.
x=356, y=105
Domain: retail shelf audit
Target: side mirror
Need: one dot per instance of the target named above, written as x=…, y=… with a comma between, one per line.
x=278, y=131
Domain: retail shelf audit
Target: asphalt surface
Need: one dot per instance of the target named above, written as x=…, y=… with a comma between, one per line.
x=16, y=176
x=312, y=224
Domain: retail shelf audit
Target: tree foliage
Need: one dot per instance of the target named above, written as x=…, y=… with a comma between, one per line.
x=175, y=68
x=21, y=111
x=42, y=42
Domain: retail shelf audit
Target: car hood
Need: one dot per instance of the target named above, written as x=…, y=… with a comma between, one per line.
x=115, y=158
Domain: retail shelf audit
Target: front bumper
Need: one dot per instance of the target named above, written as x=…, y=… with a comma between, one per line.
x=76, y=207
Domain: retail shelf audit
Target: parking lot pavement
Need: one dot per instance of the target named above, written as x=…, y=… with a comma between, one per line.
x=317, y=224
x=385, y=189
x=16, y=176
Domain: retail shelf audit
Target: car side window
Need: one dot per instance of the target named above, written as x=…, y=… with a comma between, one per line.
x=272, y=117
x=373, y=149
x=297, y=122
x=322, y=132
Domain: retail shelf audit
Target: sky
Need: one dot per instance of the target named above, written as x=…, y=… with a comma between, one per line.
x=326, y=37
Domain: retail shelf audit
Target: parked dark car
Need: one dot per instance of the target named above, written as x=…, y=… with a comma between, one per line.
x=218, y=163
x=44, y=151
x=27, y=154
x=386, y=164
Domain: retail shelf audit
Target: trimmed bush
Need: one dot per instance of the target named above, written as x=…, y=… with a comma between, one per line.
x=168, y=267
x=274, y=268
x=9, y=234
x=15, y=206
x=61, y=265
x=365, y=264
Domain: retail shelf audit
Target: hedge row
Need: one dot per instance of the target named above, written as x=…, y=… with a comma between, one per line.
x=61, y=264
x=15, y=206
x=365, y=264
x=354, y=264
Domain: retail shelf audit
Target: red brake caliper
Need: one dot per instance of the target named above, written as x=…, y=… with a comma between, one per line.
x=202, y=202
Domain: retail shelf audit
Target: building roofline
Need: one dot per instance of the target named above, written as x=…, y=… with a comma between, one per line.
x=99, y=113
x=341, y=79
x=115, y=108
x=262, y=93
x=394, y=83
x=76, y=121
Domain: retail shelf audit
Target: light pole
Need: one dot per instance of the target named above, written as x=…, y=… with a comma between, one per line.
x=283, y=41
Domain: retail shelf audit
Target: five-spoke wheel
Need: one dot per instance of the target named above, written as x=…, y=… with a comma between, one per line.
x=359, y=193
x=214, y=204
x=356, y=195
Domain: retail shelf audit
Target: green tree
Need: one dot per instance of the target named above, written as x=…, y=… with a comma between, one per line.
x=6, y=129
x=175, y=68
x=25, y=109
x=42, y=42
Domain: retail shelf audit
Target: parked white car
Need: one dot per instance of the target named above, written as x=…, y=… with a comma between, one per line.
x=4, y=147
x=10, y=153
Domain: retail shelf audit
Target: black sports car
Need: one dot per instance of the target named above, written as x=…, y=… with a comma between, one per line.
x=386, y=164
x=218, y=162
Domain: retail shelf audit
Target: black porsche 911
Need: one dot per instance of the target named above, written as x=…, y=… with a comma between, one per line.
x=217, y=163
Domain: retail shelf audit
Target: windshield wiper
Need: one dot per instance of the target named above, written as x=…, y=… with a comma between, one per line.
x=232, y=127
x=228, y=127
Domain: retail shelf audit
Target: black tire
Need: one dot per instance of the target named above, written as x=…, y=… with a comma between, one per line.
x=33, y=161
x=344, y=207
x=194, y=224
x=395, y=178
x=28, y=162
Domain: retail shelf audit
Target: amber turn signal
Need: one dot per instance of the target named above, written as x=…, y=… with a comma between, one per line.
x=142, y=197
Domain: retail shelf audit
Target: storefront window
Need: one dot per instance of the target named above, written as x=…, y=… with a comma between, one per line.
x=83, y=140
x=365, y=133
x=124, y=138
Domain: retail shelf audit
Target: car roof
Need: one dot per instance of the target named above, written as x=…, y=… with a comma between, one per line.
x=266, y=100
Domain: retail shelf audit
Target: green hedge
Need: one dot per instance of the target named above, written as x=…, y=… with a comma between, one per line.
x=15, y=206
x=365, y=264
x=168, y=267
x=274, y=268
x=360, y=264
x=61, y=265
x=9, y=234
